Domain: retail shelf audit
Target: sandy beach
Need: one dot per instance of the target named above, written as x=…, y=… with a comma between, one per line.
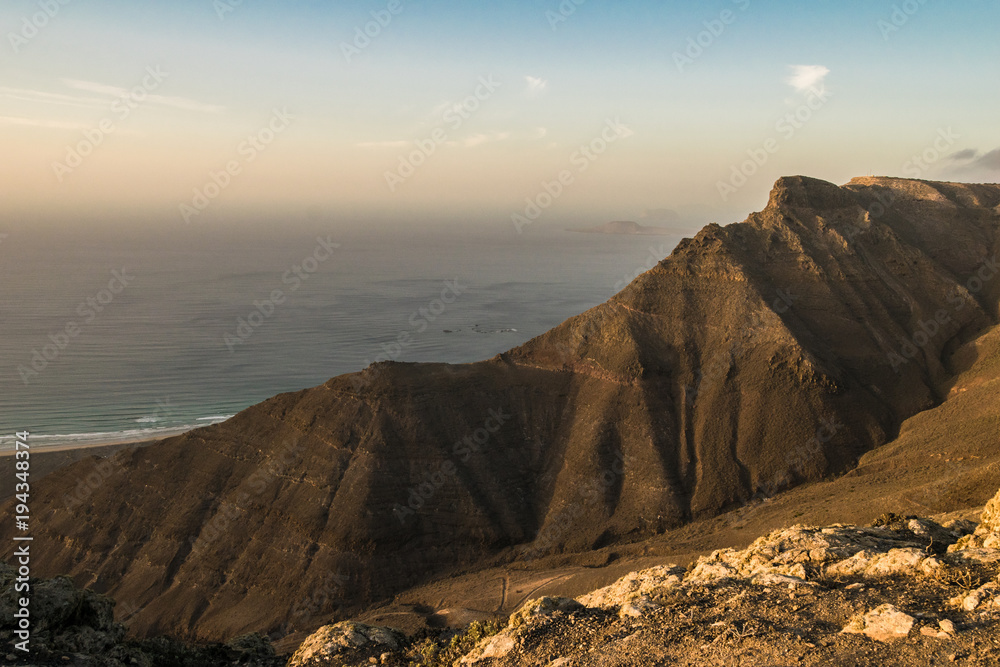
x=55, y=449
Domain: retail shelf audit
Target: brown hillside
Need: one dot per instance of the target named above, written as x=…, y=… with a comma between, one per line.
x=755, y=357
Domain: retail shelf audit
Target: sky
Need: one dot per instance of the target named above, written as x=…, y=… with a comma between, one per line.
x=518, y=113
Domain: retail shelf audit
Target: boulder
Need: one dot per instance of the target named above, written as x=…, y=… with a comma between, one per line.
x=884, y=623
x=634, y=585
x=893, y=562
x=987, y=535
x=496, y=646
x=520, y=622
x=542, y=607
x=330, y=640
x=984, y=595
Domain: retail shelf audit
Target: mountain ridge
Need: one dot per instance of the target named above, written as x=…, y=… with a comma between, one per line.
x=755, y=357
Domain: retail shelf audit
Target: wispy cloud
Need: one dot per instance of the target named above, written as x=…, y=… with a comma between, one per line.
x=186, y=104
x=59, y=125
x=382, y=144
x=539, y=133
x=535, y=85
x=183, y=103
x=108, y=95
x=94, y=87
x=808, y=78
x=990, y=160
x=977, y=161
x=34, y=122
x=965, y=154
x=479, y=139
x=42, y=97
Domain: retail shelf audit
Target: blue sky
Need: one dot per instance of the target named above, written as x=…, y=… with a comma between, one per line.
x=878, y=83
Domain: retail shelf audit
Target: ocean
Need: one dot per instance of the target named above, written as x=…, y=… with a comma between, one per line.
x=132, y=334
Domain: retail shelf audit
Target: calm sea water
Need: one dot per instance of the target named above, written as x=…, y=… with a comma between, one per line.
x=88, y=360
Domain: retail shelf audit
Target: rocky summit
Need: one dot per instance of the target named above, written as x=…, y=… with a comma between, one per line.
x=756, y=357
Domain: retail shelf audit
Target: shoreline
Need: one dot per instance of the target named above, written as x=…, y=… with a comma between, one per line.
x=46, y=460
x=69, y=446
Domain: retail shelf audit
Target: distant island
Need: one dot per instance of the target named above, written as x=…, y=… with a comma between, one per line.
x=625, y=227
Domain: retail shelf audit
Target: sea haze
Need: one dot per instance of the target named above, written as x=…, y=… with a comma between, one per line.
x=165, y=354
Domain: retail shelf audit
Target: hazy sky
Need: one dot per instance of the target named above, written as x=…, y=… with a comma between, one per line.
x=467, y=110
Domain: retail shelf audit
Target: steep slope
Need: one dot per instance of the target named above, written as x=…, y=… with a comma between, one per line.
x=756, y=356
x=944, y=460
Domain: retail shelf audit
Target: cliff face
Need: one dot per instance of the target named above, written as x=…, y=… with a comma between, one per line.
x=756, y=356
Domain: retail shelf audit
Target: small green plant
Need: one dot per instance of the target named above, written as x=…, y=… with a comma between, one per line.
x=443, y=653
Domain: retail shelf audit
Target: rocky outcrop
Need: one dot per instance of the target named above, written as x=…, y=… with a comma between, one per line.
x=757, y=356
x=798, y=556
x=820, y=564
x=987, y=534
x=70, y=626
x=324, y=645
x=796, y=591
x=634, y=585
x=543, y=607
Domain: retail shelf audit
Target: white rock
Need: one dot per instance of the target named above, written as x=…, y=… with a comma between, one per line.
x=633, y=585
x=884, y=623
x=971, y=602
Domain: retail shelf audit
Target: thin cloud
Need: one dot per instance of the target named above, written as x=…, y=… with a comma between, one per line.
x=971, y=162
x=182, y=103
x=535, y=85
x=186, y=104
x=42, y=97
x=49, y=124
x=382, y=144
x=93, y=87
x=480, y=139
x=110, y=93
x=962, y=155
x=474, y=140
x=540, y=133
x=990, y=161
x=808, y=78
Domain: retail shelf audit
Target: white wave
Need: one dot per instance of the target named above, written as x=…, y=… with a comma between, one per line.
x=216, y=418
x=114, y=437
x=101, y=437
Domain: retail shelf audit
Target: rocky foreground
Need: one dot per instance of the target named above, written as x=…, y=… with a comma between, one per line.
x=905, y=591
